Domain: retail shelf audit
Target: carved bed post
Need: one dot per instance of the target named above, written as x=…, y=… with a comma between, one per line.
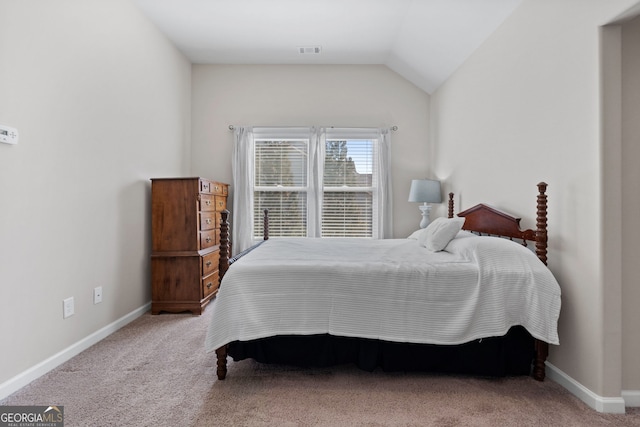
x=541, y=347
x=450, y=205
x=265, y=222
x=541, y=223
x=542, y=351
x=223, y=265
x=221, y=353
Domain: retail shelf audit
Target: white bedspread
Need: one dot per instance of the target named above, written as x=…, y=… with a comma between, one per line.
x=389, y=289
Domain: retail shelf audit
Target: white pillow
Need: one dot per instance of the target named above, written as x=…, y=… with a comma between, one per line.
x=416, y=234
x=440, y=232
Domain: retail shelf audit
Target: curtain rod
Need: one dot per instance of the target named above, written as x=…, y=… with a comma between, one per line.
x=232, y=127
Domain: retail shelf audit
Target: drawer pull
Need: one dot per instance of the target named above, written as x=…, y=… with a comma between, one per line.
x=209, y=285
x=208, y=263
x=208, y=239
x=208, y=221
x=207, y=202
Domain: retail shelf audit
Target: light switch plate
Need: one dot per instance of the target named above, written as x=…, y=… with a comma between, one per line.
x=67, y=307
x=8, y=135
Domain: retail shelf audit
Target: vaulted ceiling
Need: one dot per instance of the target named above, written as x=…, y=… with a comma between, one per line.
x=425, y=41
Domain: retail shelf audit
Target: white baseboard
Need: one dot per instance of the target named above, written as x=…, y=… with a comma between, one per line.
x=631, y=398
x=16, y=383
x=610, y=405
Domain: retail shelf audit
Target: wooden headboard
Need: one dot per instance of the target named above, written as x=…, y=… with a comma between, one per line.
x=483, y=219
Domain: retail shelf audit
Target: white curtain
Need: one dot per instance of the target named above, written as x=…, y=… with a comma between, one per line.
x=314, y=196
x=243, y=170
x=384, y=194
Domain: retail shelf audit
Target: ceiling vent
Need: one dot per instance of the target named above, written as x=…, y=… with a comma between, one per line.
x=309, y=50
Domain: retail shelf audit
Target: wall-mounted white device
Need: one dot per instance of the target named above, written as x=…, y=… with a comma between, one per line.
x=8, y=135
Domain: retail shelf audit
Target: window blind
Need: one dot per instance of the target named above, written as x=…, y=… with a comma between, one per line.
x=320, y=183
x=281, y=185
x=347, y=202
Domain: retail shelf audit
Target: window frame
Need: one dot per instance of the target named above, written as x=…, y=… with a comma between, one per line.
x=316, y=143
x=258, y=209
x=370, y=190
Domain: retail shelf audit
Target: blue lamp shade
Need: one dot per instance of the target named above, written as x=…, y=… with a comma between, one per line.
x=425, y=191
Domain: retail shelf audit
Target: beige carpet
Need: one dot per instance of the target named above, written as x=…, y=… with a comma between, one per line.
x=154, y=372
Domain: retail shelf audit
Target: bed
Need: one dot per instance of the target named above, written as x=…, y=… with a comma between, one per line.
x=477, y=299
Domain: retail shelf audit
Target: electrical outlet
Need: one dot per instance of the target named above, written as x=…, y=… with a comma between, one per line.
x=67, y=306
x=97, y=295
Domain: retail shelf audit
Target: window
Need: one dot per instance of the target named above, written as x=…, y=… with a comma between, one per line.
x=281, y=185
x=347, y=200
x=344, y=190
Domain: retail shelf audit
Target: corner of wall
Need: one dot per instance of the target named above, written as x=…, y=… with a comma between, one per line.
x=608, y=405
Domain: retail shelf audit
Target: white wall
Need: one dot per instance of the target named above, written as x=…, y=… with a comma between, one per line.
x=289, y=95
x=631, y=204
x=526, y=108
x=102, y=104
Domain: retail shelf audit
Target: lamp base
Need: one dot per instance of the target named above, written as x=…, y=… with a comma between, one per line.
x=425, y=209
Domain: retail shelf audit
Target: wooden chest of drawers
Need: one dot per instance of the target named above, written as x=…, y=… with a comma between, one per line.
x=185, y=234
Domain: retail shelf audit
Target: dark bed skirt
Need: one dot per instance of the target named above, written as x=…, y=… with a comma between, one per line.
x=510, y=355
